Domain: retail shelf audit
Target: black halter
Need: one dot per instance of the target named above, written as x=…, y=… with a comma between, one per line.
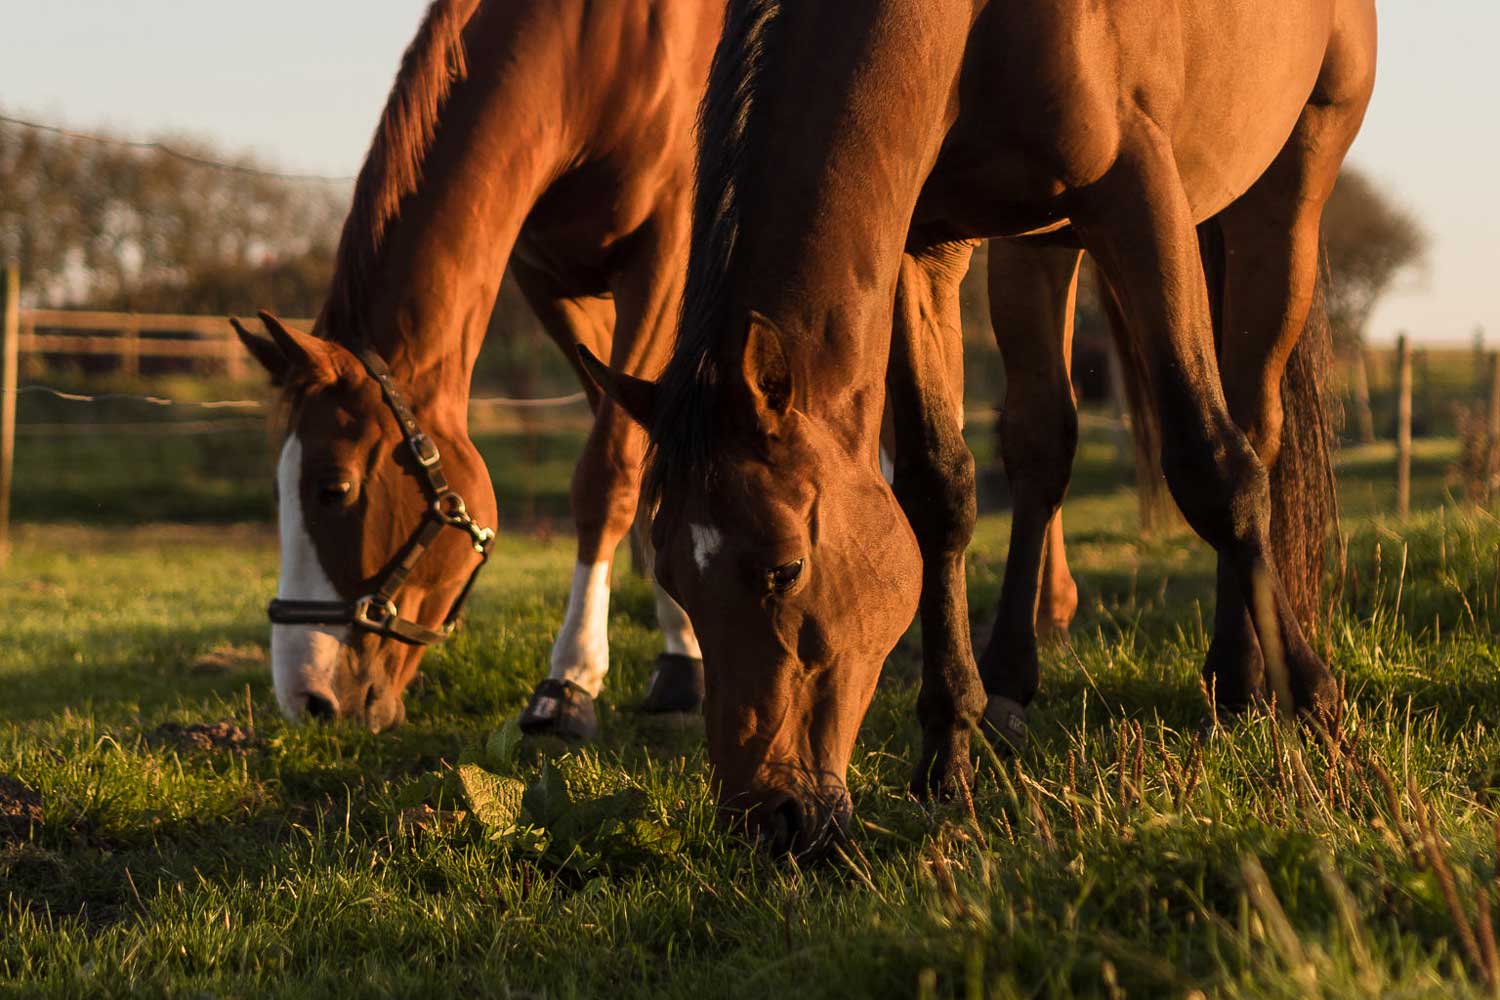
x=377, y=612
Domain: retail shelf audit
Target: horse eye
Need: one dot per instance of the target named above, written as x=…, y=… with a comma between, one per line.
x=781, y=578
x=335, y=493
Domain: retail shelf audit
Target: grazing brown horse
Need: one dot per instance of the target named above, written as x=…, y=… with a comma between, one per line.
x=551, y=137
x=851, y=153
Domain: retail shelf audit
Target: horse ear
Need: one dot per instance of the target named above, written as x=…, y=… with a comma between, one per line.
x=263, y=349
x=636, y=396
x=303, y=352
x=768, y=374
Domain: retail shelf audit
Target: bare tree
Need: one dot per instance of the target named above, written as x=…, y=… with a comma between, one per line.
x=1371, y=241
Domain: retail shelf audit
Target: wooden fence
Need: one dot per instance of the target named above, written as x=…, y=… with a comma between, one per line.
x=203, y=344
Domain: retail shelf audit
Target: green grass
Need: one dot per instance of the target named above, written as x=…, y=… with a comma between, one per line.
x=1118, y=856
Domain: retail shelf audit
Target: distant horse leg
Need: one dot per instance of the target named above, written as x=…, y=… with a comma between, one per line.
x=1057, y=601
x=1032, y=296
x=648, y=295
x=562, y=705
x=934, y=481
x=1270, y=283
x=1137, y=223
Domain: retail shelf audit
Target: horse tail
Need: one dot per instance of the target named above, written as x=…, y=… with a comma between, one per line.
x=1304, y=504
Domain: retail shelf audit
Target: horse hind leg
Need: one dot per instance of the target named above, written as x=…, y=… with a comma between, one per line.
x=1274, y=350
x=1032, y=296
x=1137, y=223
x=562, y=705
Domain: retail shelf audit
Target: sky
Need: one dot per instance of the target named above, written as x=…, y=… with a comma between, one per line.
x=300, y=83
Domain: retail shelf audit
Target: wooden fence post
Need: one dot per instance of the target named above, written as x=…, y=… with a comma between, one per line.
x=1492, y=430
x=130, y=348
x=1403, y=426
x=10, y=358
x=1364, y=417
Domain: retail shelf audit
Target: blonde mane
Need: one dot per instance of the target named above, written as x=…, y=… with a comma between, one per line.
x=433, y=63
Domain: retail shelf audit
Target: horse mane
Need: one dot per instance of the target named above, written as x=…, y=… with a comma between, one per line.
x=684, y=431
x=433, y=63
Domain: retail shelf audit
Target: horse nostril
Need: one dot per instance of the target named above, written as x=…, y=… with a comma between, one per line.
x=320, y=708
x=782, y=826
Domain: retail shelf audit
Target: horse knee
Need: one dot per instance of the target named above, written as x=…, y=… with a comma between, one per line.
x=937, y=493
x=606, y=483
x=1039, y=455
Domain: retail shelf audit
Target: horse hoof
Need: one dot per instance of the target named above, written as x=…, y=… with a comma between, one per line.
x=1005, y=723
x=563, y=709
x=676, y=685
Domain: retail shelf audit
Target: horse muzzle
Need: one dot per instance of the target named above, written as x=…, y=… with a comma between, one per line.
x=803, y=823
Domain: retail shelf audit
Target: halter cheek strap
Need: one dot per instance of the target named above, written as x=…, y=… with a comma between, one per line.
x=377, y=612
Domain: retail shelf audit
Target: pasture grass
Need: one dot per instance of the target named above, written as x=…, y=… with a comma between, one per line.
x=1120, y=855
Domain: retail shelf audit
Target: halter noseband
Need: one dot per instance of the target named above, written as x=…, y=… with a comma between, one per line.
x=377, y=612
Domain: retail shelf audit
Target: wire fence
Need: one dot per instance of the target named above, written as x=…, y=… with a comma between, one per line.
x=114, y=453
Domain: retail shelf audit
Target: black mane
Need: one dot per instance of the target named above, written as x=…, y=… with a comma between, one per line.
x=683, y=431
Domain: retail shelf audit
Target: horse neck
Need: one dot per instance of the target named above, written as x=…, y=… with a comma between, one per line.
x=496, y=146
x=823, y=230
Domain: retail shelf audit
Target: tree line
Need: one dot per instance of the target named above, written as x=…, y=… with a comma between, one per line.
x=108, y=226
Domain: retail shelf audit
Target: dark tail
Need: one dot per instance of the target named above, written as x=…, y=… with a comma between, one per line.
x=1155, y=507
x=1304, y=505
x=1157, y=510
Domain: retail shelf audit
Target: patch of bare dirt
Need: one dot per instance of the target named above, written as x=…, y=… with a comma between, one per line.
x=203, y=737
x=20, y=809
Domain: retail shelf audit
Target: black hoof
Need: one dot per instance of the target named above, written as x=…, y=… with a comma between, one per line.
x=1005, y=724
x=675, y=686
x=562, y=709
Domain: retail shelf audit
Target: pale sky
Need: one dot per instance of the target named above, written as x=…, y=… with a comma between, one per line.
x=300, y=83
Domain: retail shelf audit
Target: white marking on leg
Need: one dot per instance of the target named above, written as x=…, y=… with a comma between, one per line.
x=581, y=652
x=303, y=657
x=675, y=627
x=706, y=543
x=887, y=466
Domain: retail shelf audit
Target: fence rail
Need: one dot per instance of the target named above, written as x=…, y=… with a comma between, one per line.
x=132, y=337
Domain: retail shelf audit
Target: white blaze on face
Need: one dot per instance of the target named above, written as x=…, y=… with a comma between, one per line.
x=581, y=652
x=706, y=543
x=303, y=657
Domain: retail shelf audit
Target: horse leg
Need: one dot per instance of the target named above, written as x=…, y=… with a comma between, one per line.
x=1137, y=222
x=1032, y=295
x=933, y=477
x=648, y=294
x=1270, y=280
x=934, y=482
x=1058, y=601
x=563, y=704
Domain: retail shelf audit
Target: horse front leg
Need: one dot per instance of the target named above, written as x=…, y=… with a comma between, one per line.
x=562, y=704
x=1032, y=296
x=934, y=482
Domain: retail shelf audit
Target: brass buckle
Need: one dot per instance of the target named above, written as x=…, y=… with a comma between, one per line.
x=373, y=613
x=424, y=449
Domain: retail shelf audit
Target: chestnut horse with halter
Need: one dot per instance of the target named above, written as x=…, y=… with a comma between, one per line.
x=555, y=138
x=851, y=153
